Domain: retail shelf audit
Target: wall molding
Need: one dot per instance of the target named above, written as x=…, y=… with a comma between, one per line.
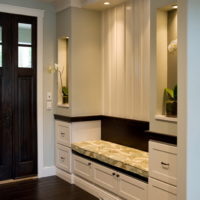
x=48, y=171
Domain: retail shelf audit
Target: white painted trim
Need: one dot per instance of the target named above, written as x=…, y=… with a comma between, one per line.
x=48, y=171
x=167, y=119
x=42, y=171
x=65, y=176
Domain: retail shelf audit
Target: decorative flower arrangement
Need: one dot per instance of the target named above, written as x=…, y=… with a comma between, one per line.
x=173, y=46
x=56, y=68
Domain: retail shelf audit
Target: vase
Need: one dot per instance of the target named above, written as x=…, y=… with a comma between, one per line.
x=171, y=109
x=65, y=99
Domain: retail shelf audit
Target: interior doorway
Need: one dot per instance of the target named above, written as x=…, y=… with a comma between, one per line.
x=18, y=96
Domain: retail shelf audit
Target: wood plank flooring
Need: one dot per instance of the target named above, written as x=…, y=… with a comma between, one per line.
x=50, y=188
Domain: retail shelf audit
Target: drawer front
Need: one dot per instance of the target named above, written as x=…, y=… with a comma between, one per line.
x=82, y=167
x=163, y=162
x=63, y=158
x=160, y=190
x=105, y=177
x=63, y=133
x=132, y=189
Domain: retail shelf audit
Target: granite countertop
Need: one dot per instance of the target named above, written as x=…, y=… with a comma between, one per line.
x=126, y=158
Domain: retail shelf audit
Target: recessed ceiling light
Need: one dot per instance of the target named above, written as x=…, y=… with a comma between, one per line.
x=174, y=6
x=106, y=3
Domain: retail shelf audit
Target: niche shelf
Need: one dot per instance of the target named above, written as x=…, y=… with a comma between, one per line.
x=63, y=99
x=166, y=57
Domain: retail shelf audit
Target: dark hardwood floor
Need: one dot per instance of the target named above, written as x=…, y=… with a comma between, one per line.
x=51, y=188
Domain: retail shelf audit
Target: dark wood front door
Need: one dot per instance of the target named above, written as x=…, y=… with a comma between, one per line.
x=18, y=122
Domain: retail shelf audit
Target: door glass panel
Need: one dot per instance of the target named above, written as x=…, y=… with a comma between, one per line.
x=0, y=55
x=24, y=57
x=1, y=46
x=24, y=34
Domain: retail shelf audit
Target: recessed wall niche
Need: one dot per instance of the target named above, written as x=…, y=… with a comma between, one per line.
x=166, y=55
x=63, y=95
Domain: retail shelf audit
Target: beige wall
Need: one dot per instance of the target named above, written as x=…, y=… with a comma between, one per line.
x=84, y=29
x=86, y=62
x=125, y=39
x=159, y=77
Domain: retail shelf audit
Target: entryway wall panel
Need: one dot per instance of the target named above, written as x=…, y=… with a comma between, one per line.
x=125, y=39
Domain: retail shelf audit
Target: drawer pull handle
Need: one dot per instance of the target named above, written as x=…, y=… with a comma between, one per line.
x=62, y=134
x=113, y=174
x=118, y=175
x=89, y=164
x=165, y=164
x=62, y=158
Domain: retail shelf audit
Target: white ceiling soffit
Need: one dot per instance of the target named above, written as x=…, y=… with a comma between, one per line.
x=99, y=4
x=63, y=4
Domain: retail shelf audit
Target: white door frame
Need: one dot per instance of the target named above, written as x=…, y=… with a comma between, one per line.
x=40, y=15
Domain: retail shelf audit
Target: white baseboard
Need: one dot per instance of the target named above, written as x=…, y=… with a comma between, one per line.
x=47, y=171
x=65, y=176
x=94, y=190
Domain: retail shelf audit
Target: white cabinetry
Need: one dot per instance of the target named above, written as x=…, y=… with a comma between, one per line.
x=111, y=180
x=132, y=189
x=82, y=167
x=105, y=177
x=63, y=158
x=66, y=133
x=161, y=190
x=162, y=171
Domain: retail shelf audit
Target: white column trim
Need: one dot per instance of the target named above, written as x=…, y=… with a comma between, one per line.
x=40, y=15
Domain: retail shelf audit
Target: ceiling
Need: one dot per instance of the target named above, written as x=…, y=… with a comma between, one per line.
x=89, y=4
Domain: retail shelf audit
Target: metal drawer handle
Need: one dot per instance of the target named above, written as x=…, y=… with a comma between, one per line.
x=118, y=175
x=89, y=164
x=113, y=174
x=62, y=134
x=165, y=164
x=62, y=158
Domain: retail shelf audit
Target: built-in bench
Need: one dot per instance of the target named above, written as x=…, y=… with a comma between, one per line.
x=125, y=159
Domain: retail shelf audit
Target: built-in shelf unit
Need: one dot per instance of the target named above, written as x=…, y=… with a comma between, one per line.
x=63, y=95
x=166, y=57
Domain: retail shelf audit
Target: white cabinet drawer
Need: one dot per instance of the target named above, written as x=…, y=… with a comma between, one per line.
x=163, y=162
x=160, y=190
x=63, y=133
x=105, y=177
x=131, y=188
x=82, y=167
x=63, y=158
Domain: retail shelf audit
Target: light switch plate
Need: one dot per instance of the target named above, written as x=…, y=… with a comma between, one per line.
x=49, y=105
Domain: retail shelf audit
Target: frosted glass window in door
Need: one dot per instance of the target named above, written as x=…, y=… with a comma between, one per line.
x=24, y=57
x=24, y=45
x=24, y=34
